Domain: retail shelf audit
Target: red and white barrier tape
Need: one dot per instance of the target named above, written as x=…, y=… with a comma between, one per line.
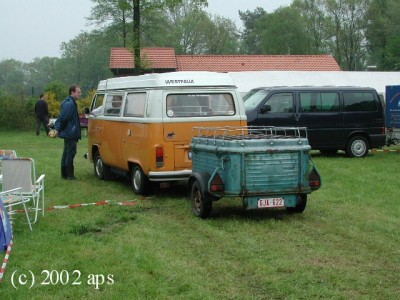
x=98, y=203
x=385, y=150
x=5, y=261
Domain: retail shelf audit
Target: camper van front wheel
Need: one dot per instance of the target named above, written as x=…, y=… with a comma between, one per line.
x=140, y=183
x=101, y=170
x=357, y=146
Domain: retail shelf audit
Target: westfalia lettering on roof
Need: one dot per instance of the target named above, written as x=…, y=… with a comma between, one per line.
x=172, y=79
x=179, y=81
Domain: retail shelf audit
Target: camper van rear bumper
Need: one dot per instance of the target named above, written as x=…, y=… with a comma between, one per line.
x=169, y=176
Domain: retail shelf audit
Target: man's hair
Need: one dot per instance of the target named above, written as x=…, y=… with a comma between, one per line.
x=72, y=88
x=41, y=96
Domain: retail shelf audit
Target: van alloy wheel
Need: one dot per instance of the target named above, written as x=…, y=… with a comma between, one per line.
x=357, y=147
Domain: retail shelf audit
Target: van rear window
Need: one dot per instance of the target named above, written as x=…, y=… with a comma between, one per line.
x=199, y=105
x=359, y=101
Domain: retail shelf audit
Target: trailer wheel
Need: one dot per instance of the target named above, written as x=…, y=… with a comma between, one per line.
x=101, y=170
x=301, y=205
x=140, y=183
x=201, y=205
x=357, y=147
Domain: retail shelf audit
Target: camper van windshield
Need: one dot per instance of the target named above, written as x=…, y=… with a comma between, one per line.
x=253, y=98
x=200, y=105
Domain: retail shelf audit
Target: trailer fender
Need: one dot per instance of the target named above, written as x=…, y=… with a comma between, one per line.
x=203, y=178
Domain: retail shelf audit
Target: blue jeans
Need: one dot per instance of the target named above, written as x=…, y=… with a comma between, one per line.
x=69, y=153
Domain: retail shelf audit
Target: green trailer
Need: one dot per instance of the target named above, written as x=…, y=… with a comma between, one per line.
x=268, y=167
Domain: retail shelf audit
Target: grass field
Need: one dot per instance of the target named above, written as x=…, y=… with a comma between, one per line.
x=344, y=246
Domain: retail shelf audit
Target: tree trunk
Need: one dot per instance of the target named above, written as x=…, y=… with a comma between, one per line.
x=136, y=36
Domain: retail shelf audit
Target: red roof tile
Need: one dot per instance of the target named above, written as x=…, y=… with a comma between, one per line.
x=238, y=63
x=155, y=58
x=165, y=58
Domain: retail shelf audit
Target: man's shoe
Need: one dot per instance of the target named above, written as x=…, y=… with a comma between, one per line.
x=71, y=178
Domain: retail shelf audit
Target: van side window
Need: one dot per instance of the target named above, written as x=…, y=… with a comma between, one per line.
x=281, y=103
x=319, y=101
x=113, y=105
x=135, y=105
x=359, y=101
x=97, y=105
x=199, y=105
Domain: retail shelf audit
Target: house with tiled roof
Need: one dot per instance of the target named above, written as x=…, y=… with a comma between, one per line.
x=160, y=60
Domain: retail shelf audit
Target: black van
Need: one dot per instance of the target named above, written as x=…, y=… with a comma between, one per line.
x=337, y=118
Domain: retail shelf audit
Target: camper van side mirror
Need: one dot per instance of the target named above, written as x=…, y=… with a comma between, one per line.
x=265, y=108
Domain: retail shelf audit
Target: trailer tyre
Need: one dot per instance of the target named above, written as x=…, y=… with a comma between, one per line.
x=357, y=147
x=140, y=183
x=201, y=205
x=101, y=170
x=301, y=205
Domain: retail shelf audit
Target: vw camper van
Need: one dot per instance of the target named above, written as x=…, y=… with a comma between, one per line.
x=142, y=125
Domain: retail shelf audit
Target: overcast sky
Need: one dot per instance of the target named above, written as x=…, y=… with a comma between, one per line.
x=36, y=28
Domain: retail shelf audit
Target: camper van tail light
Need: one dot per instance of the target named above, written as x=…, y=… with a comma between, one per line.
x=383, y=130
x=159, y=156
x=217, y=185
x=314, y=180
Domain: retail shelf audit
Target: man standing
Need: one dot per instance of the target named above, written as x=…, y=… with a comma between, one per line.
x=67, y=126
x=42, y=115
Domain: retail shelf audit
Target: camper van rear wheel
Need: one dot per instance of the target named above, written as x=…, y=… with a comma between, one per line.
x=301, y=205
x=201, y=205
x=357, y=146
x=101, y=170
x=140, y=183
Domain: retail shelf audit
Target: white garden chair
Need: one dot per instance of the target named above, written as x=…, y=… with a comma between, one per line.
x=21, y=172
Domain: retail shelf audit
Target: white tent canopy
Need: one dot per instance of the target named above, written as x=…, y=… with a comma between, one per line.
x=378, y=80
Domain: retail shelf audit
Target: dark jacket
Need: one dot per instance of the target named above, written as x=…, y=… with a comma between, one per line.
x=67, y=124
x=41, y=109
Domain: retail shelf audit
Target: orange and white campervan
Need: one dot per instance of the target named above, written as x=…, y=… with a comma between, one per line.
x=142, y=125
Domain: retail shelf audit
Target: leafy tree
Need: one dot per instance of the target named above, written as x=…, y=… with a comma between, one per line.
x=383, y=28
x=315, y=24
x=347, y=28
x=12, y=77
x=283, y=32
x=251, y=34
x=222, y=36
x=280, y=32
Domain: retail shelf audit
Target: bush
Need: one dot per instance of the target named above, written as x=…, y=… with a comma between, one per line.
x=16, y=112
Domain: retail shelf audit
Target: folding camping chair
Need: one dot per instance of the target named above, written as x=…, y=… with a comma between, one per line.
x=13, y=198
x=21, y=172
x=6, y=154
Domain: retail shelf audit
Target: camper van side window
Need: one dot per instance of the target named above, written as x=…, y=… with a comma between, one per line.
x=113, y=105
x=135, y=105
x=200, y=105
x=97, y=105
x=359, y=101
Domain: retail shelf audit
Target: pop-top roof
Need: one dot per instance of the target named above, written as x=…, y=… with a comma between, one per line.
x=172, y=79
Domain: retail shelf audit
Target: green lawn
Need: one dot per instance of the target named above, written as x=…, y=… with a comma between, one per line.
x=344, y=246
